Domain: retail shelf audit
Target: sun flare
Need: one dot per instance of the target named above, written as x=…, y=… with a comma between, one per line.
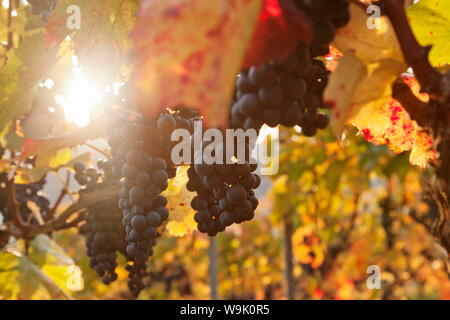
x=81, y=97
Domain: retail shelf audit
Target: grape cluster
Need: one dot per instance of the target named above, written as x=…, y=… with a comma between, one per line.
x=32, y=192
x=29, y=197
x=26, y=195
x=287, y=93
x=154, y=137
x=141, y=157
x=326, y=16
x=141, y=223
x=136, y=274
x=144, y=177
x=224, y=193
x=103, y=229
x=44, y=8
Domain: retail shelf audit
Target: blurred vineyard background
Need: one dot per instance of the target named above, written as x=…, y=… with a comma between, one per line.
x=334, y=209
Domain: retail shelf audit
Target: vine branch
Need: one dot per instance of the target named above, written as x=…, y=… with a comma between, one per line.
x=14, y=206
x=415, y=55
x=417, y=109
x=97, y=149
x=61, y=196
x=60, y=222
x=73, y=223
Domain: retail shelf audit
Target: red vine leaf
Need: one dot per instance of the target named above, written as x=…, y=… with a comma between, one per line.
x=280, y=27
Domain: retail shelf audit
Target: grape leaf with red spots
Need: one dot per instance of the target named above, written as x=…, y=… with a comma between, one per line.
x=360, y=89
x=187, y=53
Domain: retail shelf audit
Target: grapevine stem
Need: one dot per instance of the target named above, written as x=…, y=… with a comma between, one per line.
x=61, y=196
x=415, y=55
x=14, y=206
x=288, y=260
x=417, y=109
x=72, y=223
x=66, y=184
x=97, y=149
x=61, y=220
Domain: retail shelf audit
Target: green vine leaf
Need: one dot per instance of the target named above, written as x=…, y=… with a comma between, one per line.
x=430, y=20
x=20, y=278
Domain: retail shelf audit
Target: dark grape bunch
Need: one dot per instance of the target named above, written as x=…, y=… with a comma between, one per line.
x=224, y=194
x=326, y=16
x=141, y=235
x=287, y=93
x=144, y=177
x=144, y=210
x=103, y=229
x=29, y=197
x=154, y=137
x=163, y=126
x=44, y=8
x=141, y=157
x=25, y=195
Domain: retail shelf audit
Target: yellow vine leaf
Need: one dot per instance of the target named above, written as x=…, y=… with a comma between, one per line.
x=371, y=45
x=343, y=82
x=430, y=21
x=182, y=54
x=360, y=89
x=308, y=247
x=181, y=220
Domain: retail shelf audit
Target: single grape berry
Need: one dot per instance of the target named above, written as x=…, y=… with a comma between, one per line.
x=139, y=222
x=322, y=121
x=159, y=178
x=264, y=76
x=159, y=163
x=237, y=194
x=134, y=157
x=166, y=123
x=153, y=219
x=142, y=179
x=244, y=85
x=160, y=201
x=163, y=213
x=129, y=171
x=78, y=166
x=271, y=96
x=136, y=195
x=250, y=104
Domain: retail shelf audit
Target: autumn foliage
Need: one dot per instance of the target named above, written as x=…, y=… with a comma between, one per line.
x=368, y=191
